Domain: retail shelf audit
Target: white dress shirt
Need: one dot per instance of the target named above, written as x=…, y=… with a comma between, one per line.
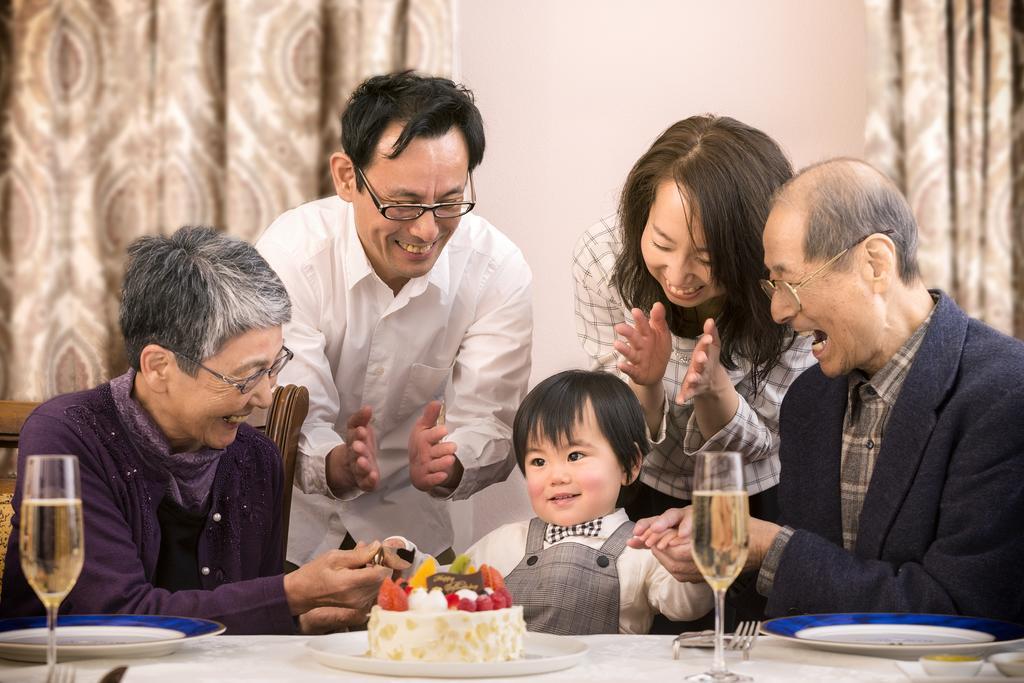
x=753, y=430
x=645, y=587
x=462, y=332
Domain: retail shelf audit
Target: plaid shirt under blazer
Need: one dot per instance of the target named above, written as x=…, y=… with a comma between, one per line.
x=942, y=528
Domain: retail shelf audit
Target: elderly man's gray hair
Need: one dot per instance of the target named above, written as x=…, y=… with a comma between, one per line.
x=194, y=291
x=847, y=200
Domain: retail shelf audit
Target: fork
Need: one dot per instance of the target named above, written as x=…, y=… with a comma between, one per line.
x=744, y=637
x=61, y=673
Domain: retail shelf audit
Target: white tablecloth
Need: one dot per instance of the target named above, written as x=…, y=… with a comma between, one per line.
x=611, y=658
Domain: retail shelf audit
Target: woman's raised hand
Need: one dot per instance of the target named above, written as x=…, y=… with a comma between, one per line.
x=705, y=373
x=645, y=347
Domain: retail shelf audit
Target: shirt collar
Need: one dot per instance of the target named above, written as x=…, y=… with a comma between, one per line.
x=356, y=264
x=358, y=267
x=888, y=381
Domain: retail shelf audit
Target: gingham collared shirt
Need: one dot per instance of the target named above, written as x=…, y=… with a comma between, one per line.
x=753, y=431
x=868, y=406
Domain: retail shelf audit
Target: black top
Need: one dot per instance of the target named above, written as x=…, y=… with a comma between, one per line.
x=177, y=567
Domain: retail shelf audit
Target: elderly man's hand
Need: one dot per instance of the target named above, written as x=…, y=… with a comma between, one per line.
x=354, y=464
x=668, y=538
x=432, y=462
x=340, y=578
x=646, y=348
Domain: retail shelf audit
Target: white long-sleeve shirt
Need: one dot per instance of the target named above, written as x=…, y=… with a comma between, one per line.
x=462, y=332
x=753, y=430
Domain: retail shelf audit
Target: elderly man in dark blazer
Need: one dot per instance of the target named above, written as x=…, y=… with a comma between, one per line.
x=903, y=450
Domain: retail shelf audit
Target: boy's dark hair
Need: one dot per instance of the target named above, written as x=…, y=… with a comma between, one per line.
x=428, y=106
x=554, y=407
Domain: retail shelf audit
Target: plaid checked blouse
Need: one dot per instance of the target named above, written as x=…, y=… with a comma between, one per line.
x=754, y=429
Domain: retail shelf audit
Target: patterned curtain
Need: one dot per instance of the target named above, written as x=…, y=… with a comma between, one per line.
x=946, y=121
x=122, y=118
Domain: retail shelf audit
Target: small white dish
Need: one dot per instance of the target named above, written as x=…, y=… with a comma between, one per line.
x=950, y=665
x=1009, y=663
x=988, y=674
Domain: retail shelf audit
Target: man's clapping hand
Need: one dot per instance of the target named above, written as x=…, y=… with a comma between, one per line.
x=353, y=464
x=432, y=462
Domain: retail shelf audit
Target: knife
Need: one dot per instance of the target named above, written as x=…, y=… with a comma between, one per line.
x=114, y=675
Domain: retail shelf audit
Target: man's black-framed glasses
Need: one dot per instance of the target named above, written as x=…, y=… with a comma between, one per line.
x=247, y=384
x=410, y=212
x=788, y=289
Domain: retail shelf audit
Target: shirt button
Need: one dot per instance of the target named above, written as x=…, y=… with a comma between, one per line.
x=870, y=444
x=216, y=516
x=379, y=371
x=205, y=571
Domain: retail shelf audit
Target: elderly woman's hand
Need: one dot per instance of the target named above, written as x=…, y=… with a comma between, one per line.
x=340, y=578
x=330, y=620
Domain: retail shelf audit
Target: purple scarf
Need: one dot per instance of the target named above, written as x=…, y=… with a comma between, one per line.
x=189, y=475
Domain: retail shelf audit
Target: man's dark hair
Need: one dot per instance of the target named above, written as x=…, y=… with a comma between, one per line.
x=553, y=409
x=427, y=106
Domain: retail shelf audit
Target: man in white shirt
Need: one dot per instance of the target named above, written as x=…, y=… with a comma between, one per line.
x=401, y=299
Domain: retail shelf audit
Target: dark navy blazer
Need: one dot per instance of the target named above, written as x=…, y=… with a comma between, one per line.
x=942, y=528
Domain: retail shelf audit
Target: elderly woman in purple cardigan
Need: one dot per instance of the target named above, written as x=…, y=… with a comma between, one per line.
x=181, y=498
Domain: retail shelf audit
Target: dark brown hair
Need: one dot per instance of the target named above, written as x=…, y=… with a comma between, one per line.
x=728, y=172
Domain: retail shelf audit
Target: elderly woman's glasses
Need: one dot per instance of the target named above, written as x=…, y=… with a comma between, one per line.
x=247, y=384
x=788, y=289
x=410, y=212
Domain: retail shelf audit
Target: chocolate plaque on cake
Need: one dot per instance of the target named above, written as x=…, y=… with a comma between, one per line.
x=450, y=583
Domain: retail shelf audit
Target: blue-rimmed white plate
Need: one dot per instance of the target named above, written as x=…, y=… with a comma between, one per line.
x=899, y=636
x=98, y=635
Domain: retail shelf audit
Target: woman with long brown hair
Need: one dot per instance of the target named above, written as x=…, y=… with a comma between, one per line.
x=667, y=296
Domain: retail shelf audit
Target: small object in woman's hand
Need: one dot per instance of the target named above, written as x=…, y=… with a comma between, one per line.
x=440, y=416
x=378, y=557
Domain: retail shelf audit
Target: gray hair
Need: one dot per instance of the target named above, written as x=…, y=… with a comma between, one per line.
x=194, y=291
x=847, y=200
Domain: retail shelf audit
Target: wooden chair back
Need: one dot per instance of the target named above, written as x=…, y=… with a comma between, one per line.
x=287, y=412
x=12, y=416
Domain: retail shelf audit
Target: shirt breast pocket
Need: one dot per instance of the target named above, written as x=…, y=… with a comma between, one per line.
x=425, y=384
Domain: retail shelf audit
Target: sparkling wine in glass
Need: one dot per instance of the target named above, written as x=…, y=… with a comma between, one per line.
x=720, y=515
x=50, y=539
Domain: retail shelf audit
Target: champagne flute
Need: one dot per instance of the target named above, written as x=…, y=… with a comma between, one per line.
x=50, y=539
x=720, y=515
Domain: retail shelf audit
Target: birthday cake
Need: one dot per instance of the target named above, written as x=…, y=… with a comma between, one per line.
x=447, y=617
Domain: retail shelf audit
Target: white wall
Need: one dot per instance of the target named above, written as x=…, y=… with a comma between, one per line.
x=573, y=91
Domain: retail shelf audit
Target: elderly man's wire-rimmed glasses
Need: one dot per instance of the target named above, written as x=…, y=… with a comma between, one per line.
x=410, y=212
x=788, y=289
x=247, y=384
